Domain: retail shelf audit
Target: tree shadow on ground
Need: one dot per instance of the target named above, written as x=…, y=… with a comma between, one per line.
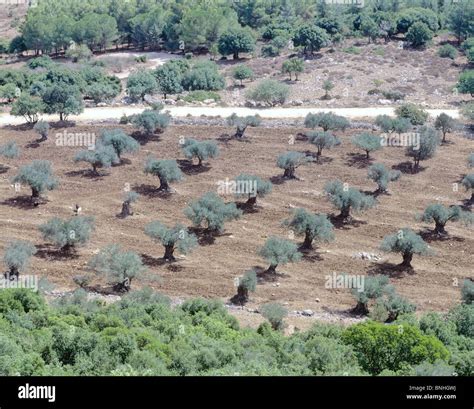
x=247, y=208
x=4, y=169
x=143, y=138
x=49, y=252
x=358, y=160
x=430, y=236
x=340, y=223
x=189, y=168
x=153, y=261
x=390, y=269
x=312, y=254
x=151, y=191
x=86, y=173
x=22, y=202
x=408, y=168
x=206, y=237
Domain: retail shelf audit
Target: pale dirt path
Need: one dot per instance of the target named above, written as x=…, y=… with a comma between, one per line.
x=102, y=114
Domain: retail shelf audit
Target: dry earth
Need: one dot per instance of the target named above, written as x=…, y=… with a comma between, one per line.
x=210, y=270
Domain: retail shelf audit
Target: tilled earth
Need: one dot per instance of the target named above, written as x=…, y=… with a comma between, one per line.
x=210, y=270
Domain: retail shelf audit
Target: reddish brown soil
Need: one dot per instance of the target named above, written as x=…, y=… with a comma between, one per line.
x=210, y=270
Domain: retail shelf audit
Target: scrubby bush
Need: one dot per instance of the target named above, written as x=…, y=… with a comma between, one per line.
x=176, y=237
x=119, y=266
x=415, y=114
x=467, y=291
x=270, y=92
x=203, y=76
x=211, y=210
x=379, y=346
x=290, y=161
x=466, y=82
x=141, y=83
x=279, y=251
x=10, y=150
x=419, y=34
x=66, y=234
x=447, y=51
x=167, y=170
x=312, y=225
x=346, y=198
x=406, y=242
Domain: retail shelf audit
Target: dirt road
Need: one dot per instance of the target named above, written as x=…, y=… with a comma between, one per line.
x=102, y=114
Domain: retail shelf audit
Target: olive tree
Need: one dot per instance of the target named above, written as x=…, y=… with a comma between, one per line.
x=290, y=161
x=346, y=198
x=38, y=175
x=242, y=123
x=42, y=128
x=367, y=142
x=322, y=140
x=313, y=226
x=129, y=198
x=119, y=141
x=426, y=147
x=247, y=283
x=201, y=150
x=166, y=170
x=382, y=176
x=328, y=121
x=274, y=313
x=279, y=251
x=241, y=73
x=10, y=150
x=292, y=66
x=100, y=157
x=445, y=124
x=151, y=121
x=118, y=266
x=468, y=183
x=172, y=238
x=211, y=210
x=374, y=287
x=406, y=242
x=251, y=186
x=66, y=234
x=440, y=215
x=17, y=257
x=141, y=83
